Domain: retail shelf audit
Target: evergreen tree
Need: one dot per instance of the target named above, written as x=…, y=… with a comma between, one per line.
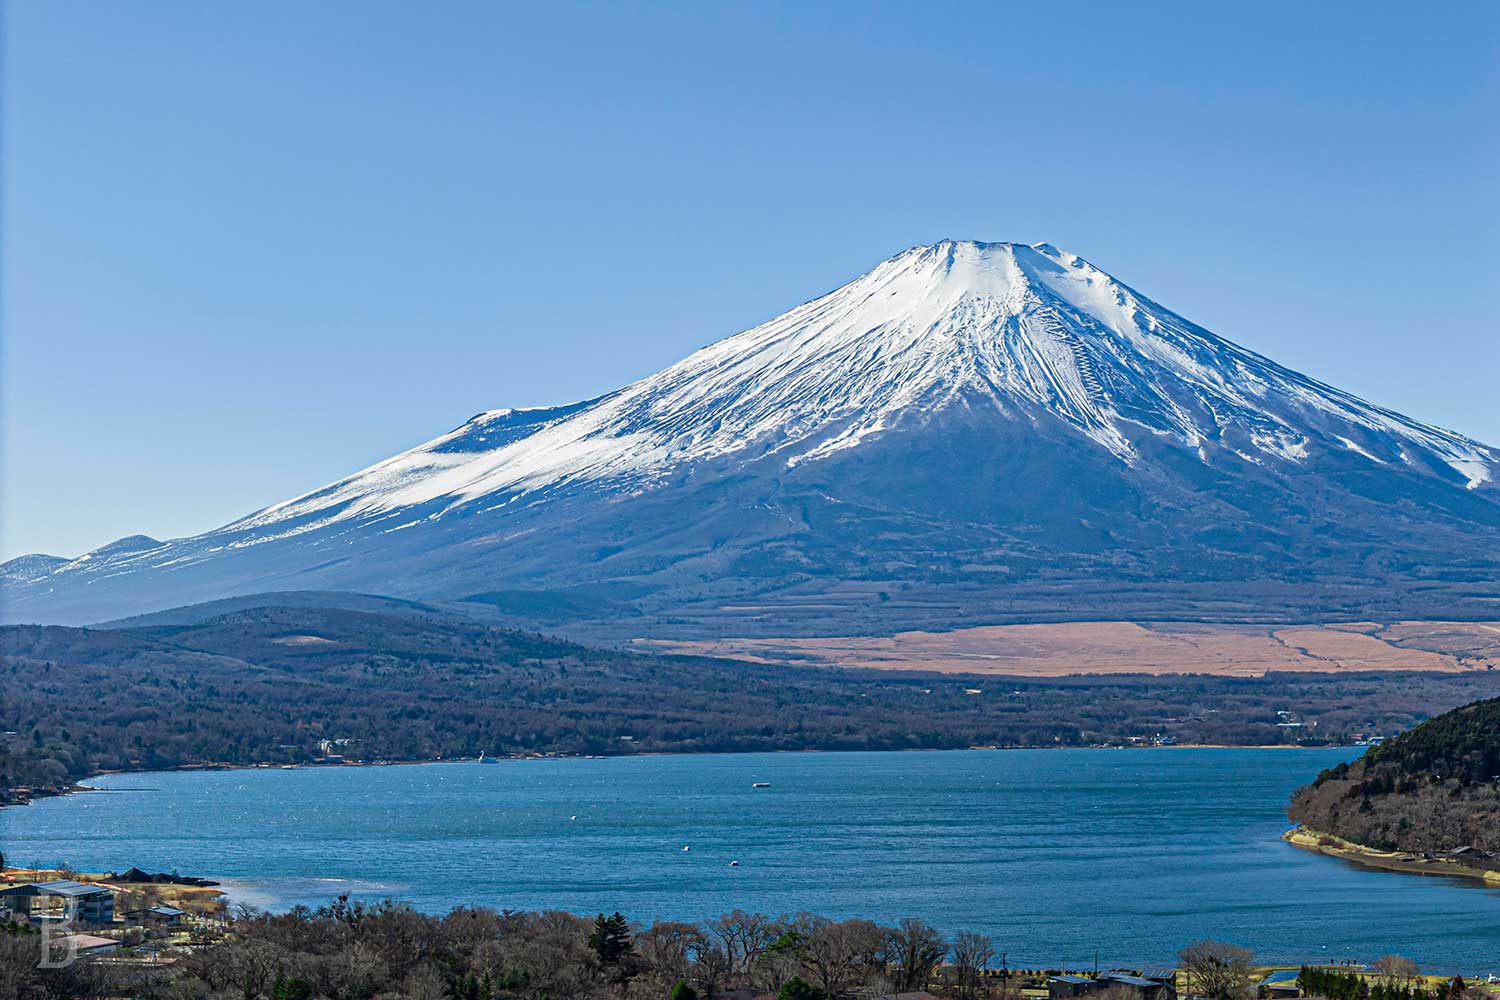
x=291, y=989
x=610, y=938
x=470, y=987
x=798, y=989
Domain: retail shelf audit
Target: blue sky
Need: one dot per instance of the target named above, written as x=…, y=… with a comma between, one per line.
x=251, y=248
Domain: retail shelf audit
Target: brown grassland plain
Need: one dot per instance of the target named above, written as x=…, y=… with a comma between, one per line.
x=1057, y=650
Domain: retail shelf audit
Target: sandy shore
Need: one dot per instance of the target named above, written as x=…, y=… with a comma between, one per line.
x=1390, y=861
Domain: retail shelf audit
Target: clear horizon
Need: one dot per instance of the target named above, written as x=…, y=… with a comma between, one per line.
x=248, y=252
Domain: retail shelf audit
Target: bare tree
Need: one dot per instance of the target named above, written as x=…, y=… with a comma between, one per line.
x=667, y=950
x=545, y=955
x=20, y=973
x=353, y=973
x=1396, y=972
x=425, y=983
x=247, y=967
x=837, y=952
x=1218, y=970
x=245, y=911
x=400, y=937
x=972, y=954
x=744, y=936
x=912, y=950
x=711, y=967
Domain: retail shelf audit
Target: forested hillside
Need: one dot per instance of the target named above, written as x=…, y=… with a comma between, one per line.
x=1434, y=788
x=267, y=685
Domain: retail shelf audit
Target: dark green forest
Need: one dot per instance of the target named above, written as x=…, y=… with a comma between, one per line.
x=267, y=685
x=1432, y=789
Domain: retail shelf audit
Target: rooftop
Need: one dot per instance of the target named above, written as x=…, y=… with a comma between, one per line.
x=1129, y=979
x=60, y=887
x=89, y=942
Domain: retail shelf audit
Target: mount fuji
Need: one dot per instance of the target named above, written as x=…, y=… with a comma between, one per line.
x=969, y=433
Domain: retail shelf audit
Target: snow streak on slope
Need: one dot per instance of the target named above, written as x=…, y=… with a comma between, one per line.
x=1003, y=406
x=1027, y=330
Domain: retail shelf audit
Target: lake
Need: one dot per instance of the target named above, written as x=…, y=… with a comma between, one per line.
x=1058, y=854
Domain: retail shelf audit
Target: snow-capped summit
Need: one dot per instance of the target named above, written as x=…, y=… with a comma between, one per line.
x=1020, y=328
x=962, y=396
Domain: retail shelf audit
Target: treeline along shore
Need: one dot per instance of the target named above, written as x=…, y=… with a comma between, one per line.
x=297, y=685
x=388, y=951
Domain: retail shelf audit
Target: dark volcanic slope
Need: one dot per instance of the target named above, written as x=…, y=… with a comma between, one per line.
x=1432, y=789
x=970, y=433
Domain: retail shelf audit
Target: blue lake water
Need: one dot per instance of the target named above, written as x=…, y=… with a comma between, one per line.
x=1058, y=854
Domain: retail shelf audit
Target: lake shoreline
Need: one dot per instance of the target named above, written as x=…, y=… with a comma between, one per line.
x=81, y=785
x=968, y=840
x=1391, y=861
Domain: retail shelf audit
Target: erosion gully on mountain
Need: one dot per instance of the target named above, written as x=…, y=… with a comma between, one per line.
x=970, y=433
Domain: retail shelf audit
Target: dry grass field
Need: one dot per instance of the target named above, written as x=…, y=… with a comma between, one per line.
x=195, y=899
x=1057, y=650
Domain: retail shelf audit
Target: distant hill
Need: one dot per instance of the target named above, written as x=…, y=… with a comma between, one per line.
x=327, y=600
x=24, y=569
x=269, y=684
x=1431, y=789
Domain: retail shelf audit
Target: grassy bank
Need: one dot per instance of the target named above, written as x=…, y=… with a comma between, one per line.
x=1393, y=861
x=207, y=901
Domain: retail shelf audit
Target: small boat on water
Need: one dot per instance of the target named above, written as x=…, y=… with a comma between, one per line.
x=761, y=784
x=734, y=864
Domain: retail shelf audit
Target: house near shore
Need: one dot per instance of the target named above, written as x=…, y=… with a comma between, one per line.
x=1152, y=984
x=163, y=917
x=1149, y=984
x=1065, y=987
x=1282, y=983
x=63, y=901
